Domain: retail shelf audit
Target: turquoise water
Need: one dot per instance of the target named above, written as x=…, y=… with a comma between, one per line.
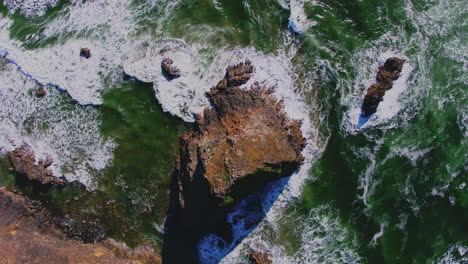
x=391, y=191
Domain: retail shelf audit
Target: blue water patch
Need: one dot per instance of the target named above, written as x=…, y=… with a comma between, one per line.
x=363, y=119
x=245, y=216
x=293, y=27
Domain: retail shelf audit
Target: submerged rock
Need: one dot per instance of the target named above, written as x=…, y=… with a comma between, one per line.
x=85, y=53
x=387, y=73
x=24, y=163
x=28, y=235
x=171, y=72
x=238, y=145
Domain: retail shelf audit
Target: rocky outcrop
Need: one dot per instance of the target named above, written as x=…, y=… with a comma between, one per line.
x=85, y=53
x=243, y=132
x=260, y=258
x=28, y=235
x=387, y=73
x=170, y=71
x=24, y=163
x=240, y=143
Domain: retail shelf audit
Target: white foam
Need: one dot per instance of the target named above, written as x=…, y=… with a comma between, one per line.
x=322, y=240
x=109, y=26
x=30, y=8
x=69, y=134
x=379, y=234
x=454, y=255
x=182, y=96
x=298, y=21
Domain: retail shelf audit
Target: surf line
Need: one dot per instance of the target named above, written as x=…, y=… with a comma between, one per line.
x=7, y=55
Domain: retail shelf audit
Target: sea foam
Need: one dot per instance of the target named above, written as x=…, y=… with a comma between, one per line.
x=53, y=126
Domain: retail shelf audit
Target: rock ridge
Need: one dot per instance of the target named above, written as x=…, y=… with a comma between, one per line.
x=386, y=74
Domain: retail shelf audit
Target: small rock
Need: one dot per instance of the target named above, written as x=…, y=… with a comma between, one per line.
x=147, y=208
x=41, y=92
x=260, y=258
x=171, y=72
x=85, y=53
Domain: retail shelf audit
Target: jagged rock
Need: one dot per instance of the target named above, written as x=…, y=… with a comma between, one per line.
x=387, y=73
x=85, y=53
x=260, y=258
x=41, y=92
x=237, y=145
x=171, y=72
x=245, y=131
x=24, y=163
x=28, y=235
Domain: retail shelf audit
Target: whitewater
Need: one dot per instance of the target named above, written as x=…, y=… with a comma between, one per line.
x=129, y=40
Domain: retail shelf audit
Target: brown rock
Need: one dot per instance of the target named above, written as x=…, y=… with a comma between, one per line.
x=27, y=235
x=170, y=71
x=41, y=92
x=24, y=163
x=387, y=73
x=260, y=258
x=236, y=146
x=244, y=133
x=85, y=53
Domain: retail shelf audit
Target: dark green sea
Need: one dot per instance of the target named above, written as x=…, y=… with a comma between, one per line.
x=391, y=190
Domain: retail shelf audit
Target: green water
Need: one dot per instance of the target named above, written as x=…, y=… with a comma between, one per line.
x=405, y=176
x=132, y=193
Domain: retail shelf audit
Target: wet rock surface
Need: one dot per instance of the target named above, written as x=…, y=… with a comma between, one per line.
x=387, y=73
x=41, y=92
x=169, y=70
x=28, y=235
x=85, y=53
x=238, y=145
x=24, y=163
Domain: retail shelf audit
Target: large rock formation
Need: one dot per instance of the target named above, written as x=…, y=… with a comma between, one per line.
x=24, y=163
x=28, y=235
x=244, y=136
x=387, y=73
x=239, y=143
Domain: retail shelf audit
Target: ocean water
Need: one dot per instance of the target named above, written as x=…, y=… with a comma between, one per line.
x=390, y=189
